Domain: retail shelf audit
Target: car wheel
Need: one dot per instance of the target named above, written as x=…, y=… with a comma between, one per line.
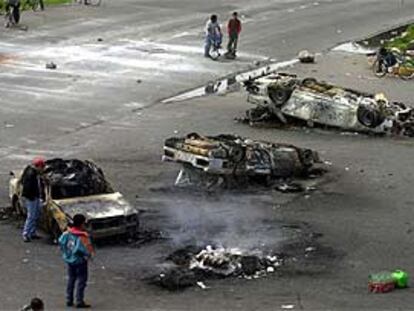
x=279, y=94
x=369, y=117
x=17, y=208
x=55, y=232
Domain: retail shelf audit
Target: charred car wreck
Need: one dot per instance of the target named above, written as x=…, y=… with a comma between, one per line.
x=225, y=159
x=286, y=99
x=75, y=186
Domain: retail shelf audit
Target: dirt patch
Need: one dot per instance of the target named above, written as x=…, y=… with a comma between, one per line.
x=6, y=58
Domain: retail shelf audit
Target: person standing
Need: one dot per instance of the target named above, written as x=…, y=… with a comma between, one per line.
x=213, y=34
x=32, y=194
x=77, y=250
x=233, y=29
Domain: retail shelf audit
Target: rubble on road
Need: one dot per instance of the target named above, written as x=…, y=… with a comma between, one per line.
x=286, y=100
x=192, y=265
x=51, y=66
x=306, y=57
x=229, y=160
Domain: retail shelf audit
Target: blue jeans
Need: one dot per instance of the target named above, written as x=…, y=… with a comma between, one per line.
x=207, y=46
x=33, y=214
x=77, y=273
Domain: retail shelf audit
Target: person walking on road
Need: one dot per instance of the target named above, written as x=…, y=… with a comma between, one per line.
x=32, y=194
x=233, y=29
x=77, y=250
x=213, y=35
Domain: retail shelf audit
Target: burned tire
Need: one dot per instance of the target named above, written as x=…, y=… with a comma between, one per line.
x=369, y=117
x=309, y=82
x=306, y=157
x=279, y=94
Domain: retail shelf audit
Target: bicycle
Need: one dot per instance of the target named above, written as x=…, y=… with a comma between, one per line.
x=87, y=2
x=404, y=67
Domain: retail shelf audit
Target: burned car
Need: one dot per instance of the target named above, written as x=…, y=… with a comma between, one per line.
x=226, y=158
x=286, y=99
x=75, y=186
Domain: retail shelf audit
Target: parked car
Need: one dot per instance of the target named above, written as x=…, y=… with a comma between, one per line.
x=286, y=99
x=75, y=186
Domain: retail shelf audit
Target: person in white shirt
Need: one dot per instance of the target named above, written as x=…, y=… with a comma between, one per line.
x=213, y=34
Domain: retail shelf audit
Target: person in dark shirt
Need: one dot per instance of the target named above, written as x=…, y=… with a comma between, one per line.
x=32, y=193
x=233, y=30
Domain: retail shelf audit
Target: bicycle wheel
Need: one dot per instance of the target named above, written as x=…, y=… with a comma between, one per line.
x=379, y=70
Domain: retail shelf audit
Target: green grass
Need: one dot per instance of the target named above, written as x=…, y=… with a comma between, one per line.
x=404, y=41
x=46, y=2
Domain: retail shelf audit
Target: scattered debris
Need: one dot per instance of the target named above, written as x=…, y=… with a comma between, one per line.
x=202, y=285
x=384, y=282
x=306, y=57
x=286, y=100
x=8, y=125
x=192, y=265
x=310, y=249
x=229, y=160
x=290, y=188
x=51, y=66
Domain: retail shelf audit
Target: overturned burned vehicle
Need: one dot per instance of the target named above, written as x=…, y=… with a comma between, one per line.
x=75, y=186
x=225, y=159
x=287, y=100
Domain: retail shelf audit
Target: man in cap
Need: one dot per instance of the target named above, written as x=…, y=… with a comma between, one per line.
x=32, y=194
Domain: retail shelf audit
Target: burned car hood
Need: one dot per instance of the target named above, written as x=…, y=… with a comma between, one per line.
x=97, y=206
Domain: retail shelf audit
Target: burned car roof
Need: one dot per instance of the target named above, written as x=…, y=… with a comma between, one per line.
x=75, y=178
x=286, y=99
x=230, y=155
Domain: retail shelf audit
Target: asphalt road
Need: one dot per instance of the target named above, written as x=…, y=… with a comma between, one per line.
x=93, y=107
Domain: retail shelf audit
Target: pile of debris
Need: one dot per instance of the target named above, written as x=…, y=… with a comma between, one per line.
x=192, y=265
x=230, y=160
x=75, y=178
x=287, y=100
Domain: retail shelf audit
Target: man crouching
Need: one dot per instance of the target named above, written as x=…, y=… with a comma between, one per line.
x=77, y=249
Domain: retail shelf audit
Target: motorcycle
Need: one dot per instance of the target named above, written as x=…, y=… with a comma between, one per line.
x=393, y=63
